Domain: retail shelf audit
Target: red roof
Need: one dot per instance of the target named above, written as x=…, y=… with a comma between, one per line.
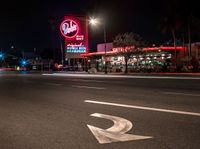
x=145, y=49
x=164, y=48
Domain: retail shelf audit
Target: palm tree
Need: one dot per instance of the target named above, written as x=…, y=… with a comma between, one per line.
x=191, y=23
x=180, y=21
x=172, y=24
x=130, y=44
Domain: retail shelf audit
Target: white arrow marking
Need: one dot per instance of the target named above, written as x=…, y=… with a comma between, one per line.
x=116, y=133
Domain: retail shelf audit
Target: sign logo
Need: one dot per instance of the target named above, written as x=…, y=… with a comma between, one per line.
x=69, y=28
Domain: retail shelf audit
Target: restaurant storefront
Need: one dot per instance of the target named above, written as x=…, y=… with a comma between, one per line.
x=150, y=59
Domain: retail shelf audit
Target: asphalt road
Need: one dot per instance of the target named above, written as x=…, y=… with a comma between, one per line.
x=51, y=112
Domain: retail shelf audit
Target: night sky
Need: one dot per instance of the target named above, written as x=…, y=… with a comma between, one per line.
x=25, y=24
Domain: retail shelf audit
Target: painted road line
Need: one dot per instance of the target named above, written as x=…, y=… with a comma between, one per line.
x=84, y=80
x=143, y=108
x=97, y=81
x=89, y=87
x=184, y=94
x=100, y=81
x=116, y=133
x=123, y=76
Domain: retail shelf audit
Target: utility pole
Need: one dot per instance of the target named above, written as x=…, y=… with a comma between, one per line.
x=62, y=52
x=105, y=47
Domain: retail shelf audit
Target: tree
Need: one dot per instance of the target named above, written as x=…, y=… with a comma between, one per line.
x=191, y=24
x=172, y=24
x=128, y=44
x=181, y=22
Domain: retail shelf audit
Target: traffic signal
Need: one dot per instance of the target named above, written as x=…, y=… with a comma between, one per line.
x=1, y=56
x=24, y=62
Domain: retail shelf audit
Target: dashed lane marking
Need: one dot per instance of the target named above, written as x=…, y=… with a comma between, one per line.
x=89, y=87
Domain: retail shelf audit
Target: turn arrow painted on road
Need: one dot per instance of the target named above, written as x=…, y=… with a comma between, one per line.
x=116, y=133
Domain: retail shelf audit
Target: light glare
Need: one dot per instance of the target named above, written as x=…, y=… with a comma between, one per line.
x=93, y=21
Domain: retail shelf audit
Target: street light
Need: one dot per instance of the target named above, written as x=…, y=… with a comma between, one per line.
x=95, y=22
x=1, y=56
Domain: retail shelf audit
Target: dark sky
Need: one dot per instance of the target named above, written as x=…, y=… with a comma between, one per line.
x=24, y=24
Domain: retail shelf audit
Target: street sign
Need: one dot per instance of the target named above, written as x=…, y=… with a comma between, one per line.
x=116, y=133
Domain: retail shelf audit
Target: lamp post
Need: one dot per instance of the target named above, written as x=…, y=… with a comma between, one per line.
x=62, y=52
x=105, y=47
x=94, y=22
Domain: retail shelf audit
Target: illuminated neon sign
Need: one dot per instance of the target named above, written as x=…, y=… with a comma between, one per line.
x=76, y=48
x=69, y=28
x=74, y=29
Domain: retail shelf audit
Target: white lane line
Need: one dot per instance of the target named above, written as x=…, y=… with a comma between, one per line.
x=83, y=80
x=98, y=81
x=143, y=108
x=184, y=94
x=95, y=81
x=89, y=87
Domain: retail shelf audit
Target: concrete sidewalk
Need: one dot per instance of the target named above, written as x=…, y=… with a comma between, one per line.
x=131, y=74
x=103, y=74
x=128, y=76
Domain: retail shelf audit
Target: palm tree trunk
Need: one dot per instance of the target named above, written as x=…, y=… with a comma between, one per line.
x=126, y=65
x=189, y=41
x=174, y=38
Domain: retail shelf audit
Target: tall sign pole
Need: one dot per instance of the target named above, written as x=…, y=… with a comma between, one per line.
x=104, y=26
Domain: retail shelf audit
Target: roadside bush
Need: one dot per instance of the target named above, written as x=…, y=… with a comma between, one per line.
x=92, y=70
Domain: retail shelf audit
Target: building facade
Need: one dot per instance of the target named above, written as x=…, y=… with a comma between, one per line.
x=151, y=59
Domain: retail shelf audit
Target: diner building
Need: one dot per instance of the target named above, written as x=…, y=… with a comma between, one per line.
x=150, y=59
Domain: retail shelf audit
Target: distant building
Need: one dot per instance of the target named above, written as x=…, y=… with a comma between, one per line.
x=34, y=60
x=195, y=50
x=103, y=46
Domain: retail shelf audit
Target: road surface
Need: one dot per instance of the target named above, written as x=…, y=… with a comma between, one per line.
x=53, y=112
